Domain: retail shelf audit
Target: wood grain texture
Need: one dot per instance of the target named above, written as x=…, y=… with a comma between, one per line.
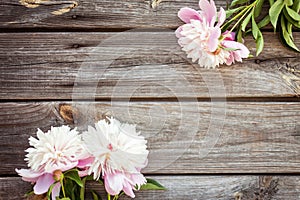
x=96, y=14
x=134, y=65
x=183, y=137
x=193, y=187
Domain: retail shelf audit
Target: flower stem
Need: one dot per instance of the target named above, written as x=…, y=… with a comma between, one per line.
x=108, y=196
x=62, y=187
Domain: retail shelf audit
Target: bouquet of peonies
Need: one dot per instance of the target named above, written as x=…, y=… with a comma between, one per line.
x=210, y=39
x=61, y=160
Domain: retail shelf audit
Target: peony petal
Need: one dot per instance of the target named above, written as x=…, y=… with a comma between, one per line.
x=229, y=35
x=177, y=32
x=186, y=14
x=43, y=183
x=209, y=9
x=242, y=49
x=221, y=17
x=138, y=179
x=127, y=188
x=85, y=162
x=55, y=191
x=213, y=40
x=230, y=59
x=113, y=183
x=29, y=175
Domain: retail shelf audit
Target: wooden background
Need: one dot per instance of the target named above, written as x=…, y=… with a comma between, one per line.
x=211, y=133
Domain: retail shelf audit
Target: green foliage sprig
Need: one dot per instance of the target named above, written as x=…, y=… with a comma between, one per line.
x=283, y=15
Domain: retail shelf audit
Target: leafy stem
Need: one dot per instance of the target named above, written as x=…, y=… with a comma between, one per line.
x=240, y=15
x=243, y=13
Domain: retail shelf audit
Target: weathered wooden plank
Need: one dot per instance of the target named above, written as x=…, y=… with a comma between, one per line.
x=183, y=137
x=193, y=187
x=134, y=65
x=96, y=14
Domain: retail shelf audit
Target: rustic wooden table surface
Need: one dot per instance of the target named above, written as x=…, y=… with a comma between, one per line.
x=211, y=133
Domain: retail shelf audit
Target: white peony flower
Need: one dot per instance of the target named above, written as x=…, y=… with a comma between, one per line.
x=58, y=149
x=115, y=147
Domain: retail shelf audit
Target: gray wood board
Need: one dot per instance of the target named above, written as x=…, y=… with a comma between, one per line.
x=183, y=137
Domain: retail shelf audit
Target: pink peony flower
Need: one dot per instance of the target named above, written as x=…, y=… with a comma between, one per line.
x=201, y=37
x=59, y=149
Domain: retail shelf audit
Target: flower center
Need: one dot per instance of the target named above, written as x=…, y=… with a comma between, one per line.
x=57, y=155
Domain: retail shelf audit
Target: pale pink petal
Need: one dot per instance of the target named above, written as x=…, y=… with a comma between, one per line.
x=55, y=191
x=213, y=40
x=85, y=162
x=221, y=17
x=84, y=172
x=138, y=179
x=64, y=167
x=127, y=188
x=230, y=59
x=229, y=35
x=43, y=183
x=209, y=9
x=237, y=56
x=186, y=14
x=241, y=49
x=177, y=32
x=113, y=183
x=28, y=175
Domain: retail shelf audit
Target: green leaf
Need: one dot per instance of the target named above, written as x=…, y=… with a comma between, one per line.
x=64, y=198
x=296, y=6
x=82, y=189
x=289, y=28
x=232, y=11
x=259, y=40
x=259, y=43
x=89, y=178
x=246, y=21
x=293, y=14
x=50, y=190
x=100, y=182
x=264, y=22
x=237, y=2
x=285, y=36
x=29, y=193
x=74, y=191
x=271, y=2
x=230, y=49
x=152, y=185
x=292, y=21
x=95, y=195
x=68, y=186
x=258, y=7
x=239, y=36
x=288, y=2
x=255, y=29
x=73, y=175
x=275, y=11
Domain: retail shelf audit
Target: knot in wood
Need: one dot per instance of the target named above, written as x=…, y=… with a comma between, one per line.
x=67, y=112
